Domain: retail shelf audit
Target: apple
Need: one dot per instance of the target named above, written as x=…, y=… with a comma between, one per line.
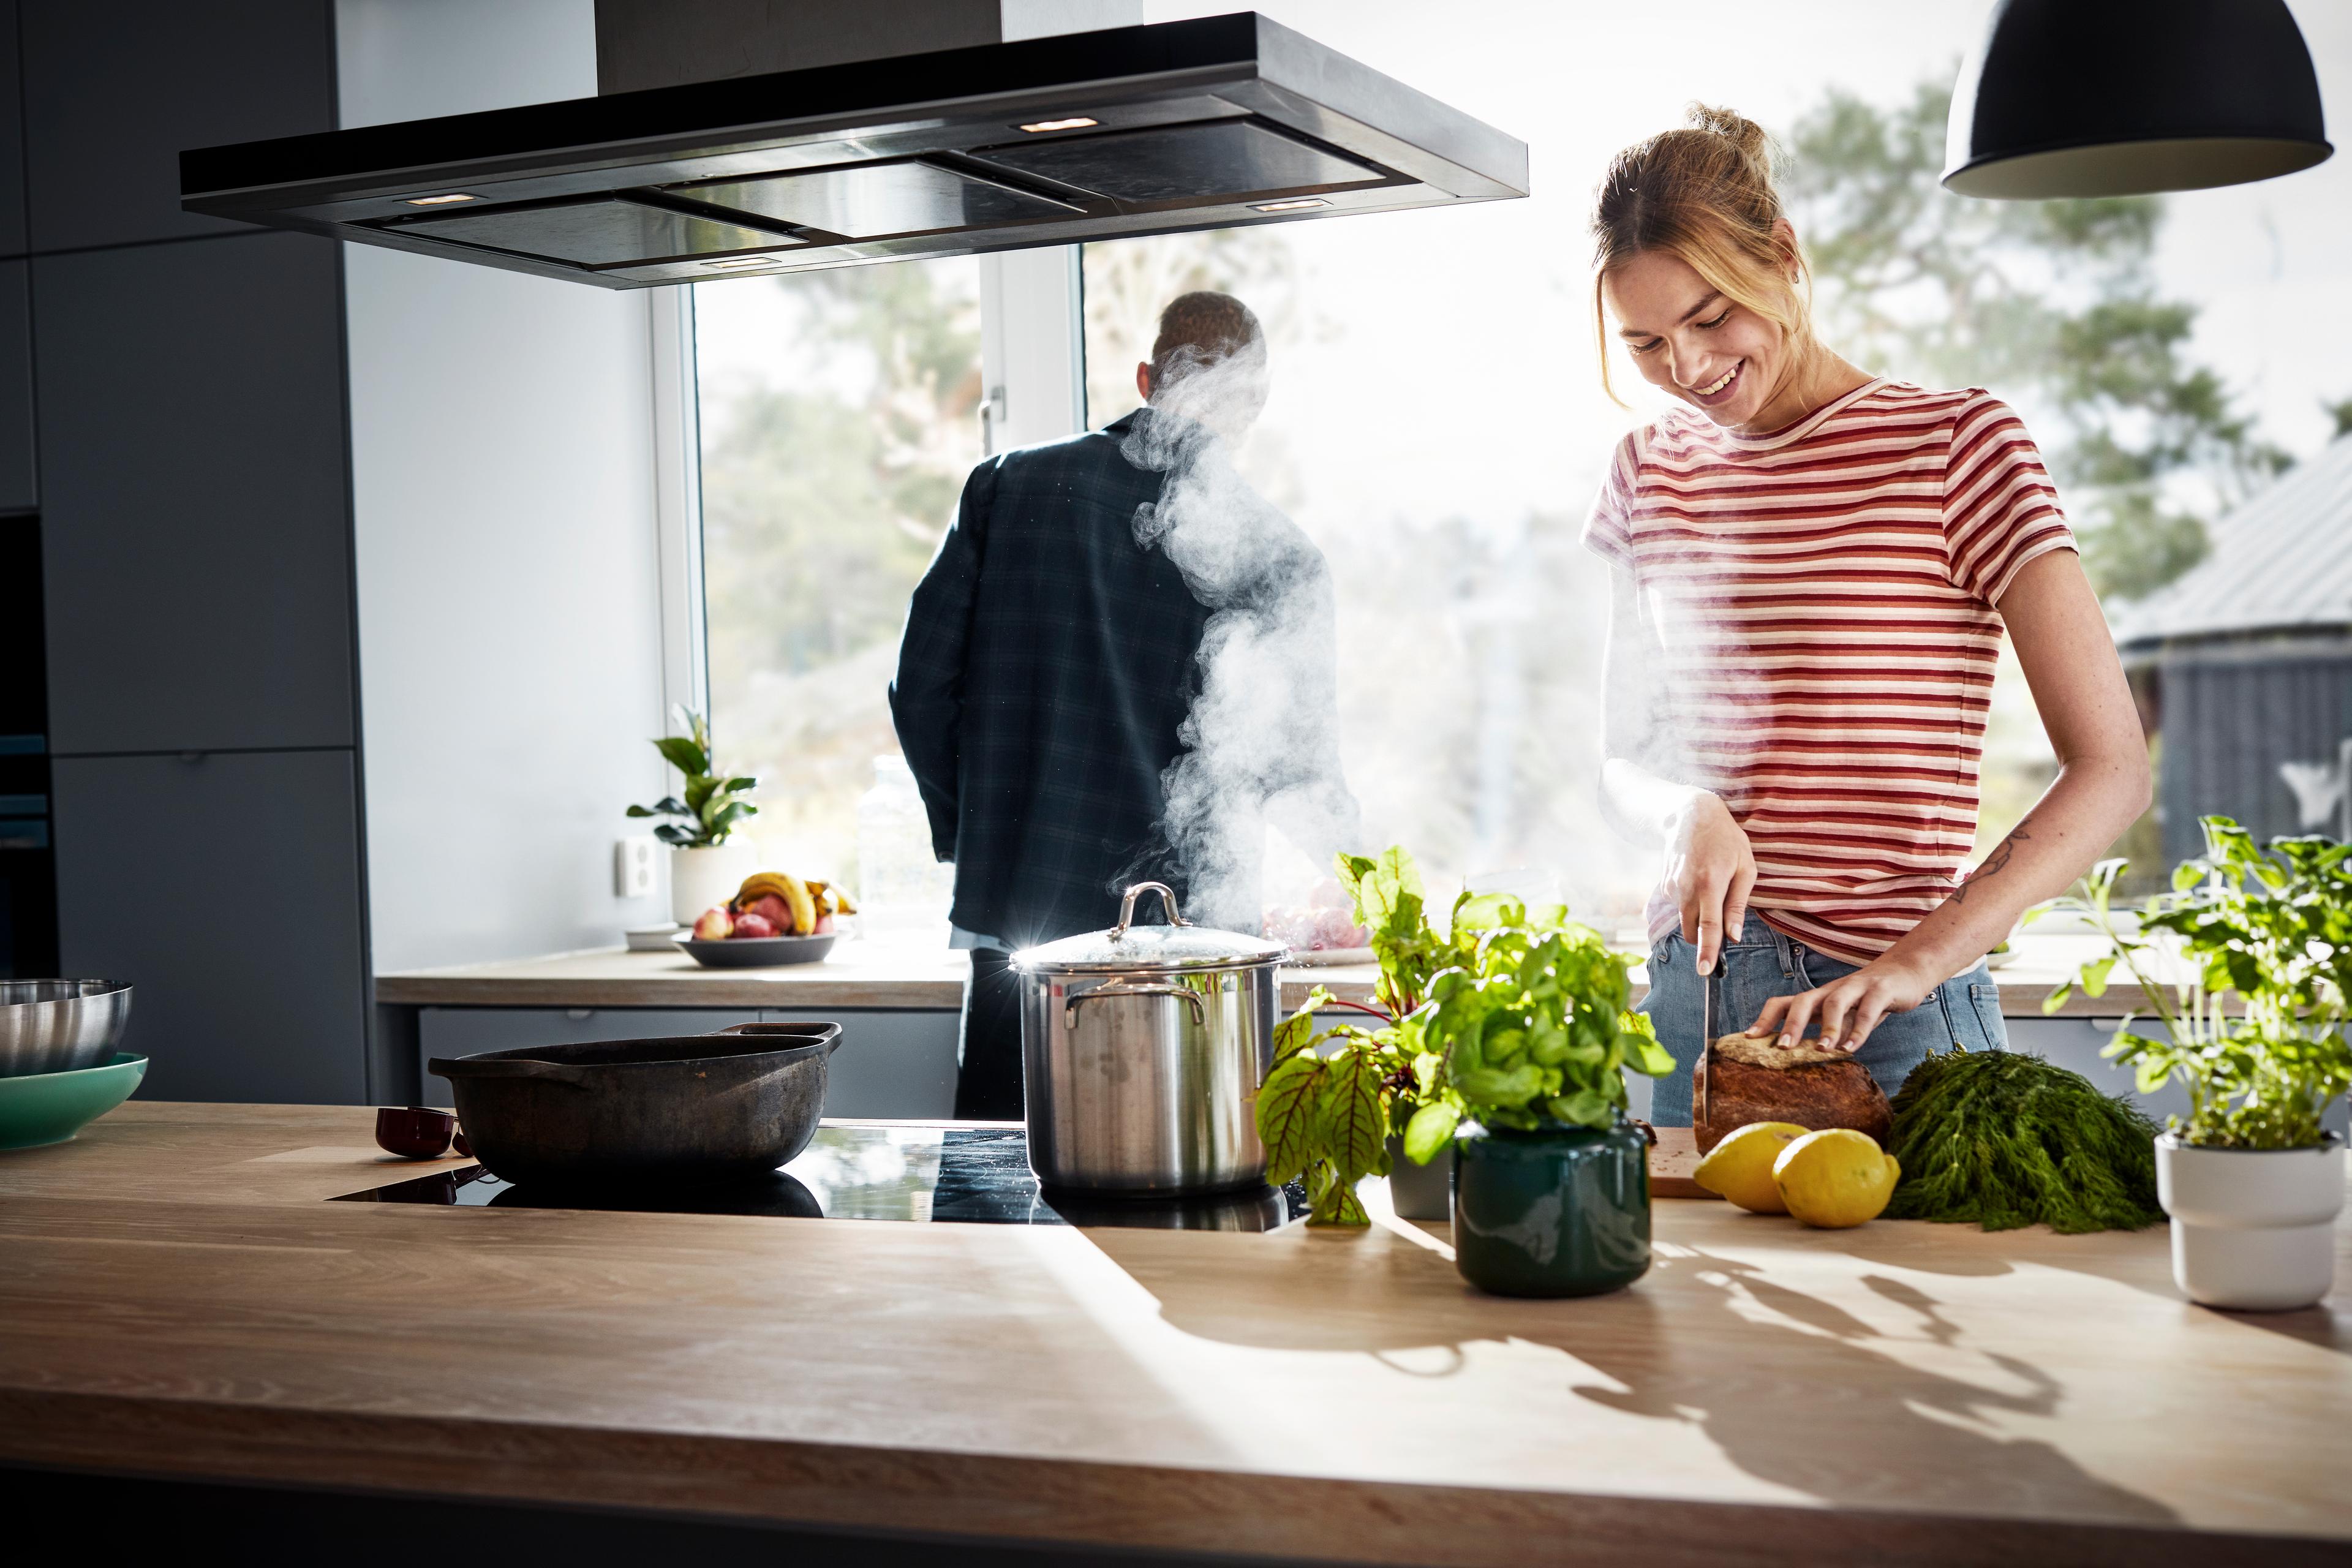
x=752, y=925
x=772, y=908
x=715, y=925
x=825, y=925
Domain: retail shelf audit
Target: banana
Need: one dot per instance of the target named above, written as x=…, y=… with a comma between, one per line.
x=830, y=899
x=759, y=884
x=805, y=900
x=803, y=908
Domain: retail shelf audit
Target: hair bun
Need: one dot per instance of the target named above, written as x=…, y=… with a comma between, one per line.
x=1735, y=127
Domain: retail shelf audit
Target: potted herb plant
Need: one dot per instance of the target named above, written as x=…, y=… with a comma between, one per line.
x=2251, y=1179
x=707, y=859
x=1506, y=1039
x=1551, y=1187
x=1335, y=1106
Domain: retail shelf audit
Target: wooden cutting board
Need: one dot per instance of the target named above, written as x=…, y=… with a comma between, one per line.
x=1672, y=1160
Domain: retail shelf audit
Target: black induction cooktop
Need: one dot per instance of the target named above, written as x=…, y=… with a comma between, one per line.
x=974, y=1175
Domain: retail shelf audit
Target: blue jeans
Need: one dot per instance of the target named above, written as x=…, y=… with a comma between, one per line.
x=1965, y=1011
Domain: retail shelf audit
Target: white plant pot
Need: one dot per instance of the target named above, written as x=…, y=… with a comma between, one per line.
x=2252, y=1229
x=701, y=878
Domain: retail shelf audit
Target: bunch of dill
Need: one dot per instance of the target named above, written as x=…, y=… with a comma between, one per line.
x=2006, y=1139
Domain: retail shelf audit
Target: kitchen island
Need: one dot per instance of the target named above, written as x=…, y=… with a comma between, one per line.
x=177, y=1300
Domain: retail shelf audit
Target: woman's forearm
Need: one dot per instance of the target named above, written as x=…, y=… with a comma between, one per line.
x=2070, y=663
x=2085, y=809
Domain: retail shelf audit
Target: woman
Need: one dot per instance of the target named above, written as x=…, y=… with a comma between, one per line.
x=1813, y=568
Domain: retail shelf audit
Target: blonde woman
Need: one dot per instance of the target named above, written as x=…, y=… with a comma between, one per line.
x=1813, y=569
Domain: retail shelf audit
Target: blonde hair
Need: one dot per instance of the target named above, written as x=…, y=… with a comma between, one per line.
x=1703, y=194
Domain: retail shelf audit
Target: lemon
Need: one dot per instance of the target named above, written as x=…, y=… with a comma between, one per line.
x=1835, y=1178
x=1741, y=1167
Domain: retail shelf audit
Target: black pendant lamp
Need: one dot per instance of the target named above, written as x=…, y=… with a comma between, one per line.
x=2113, y=97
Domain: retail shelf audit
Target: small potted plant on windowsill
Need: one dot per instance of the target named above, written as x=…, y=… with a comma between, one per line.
x=2252, y=1181
x=707, y=860
x=1509, y=1039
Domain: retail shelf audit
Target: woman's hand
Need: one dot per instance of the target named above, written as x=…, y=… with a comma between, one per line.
x=1709, y=868
x=1848, y=1008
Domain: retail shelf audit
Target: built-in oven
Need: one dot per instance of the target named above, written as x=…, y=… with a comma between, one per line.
x=29, y=871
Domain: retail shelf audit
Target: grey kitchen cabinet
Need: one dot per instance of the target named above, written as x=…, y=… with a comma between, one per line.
x=896, y=1065
x=115, y=90
x=225, y=889
x=195, y=505
x=890, y=1064
x=12, y=136
x=18, y=491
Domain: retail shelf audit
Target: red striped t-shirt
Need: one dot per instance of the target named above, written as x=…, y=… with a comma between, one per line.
x=1817, y=605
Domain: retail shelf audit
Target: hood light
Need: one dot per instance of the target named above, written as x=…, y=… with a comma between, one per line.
x=441, y=201
x=743, y=261
x=1075, y=122
x=1295, y=203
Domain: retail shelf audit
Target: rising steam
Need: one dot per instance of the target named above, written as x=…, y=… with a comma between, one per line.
x=1263, y=736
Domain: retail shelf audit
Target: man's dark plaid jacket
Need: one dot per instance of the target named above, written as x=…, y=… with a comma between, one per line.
x=1048, y=662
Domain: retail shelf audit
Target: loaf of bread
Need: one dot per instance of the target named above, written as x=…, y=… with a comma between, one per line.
x=1763, y=1051
x=1814, y=1088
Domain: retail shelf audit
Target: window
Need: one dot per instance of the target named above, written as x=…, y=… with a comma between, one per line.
x=1436, y=426
x=839, y=413
x=1436, y=423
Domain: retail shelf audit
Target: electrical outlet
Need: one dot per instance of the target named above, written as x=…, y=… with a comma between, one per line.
x=632, y=865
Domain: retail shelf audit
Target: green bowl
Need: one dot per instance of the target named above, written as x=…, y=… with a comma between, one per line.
x=51, y=1107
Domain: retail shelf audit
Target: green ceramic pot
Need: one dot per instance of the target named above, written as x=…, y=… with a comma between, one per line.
x=1560, y=1212
x=51, y=1107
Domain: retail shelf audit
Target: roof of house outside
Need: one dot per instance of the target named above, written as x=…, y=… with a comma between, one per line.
x=2282, y=562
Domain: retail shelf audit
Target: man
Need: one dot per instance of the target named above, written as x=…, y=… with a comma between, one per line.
x=1051, y=663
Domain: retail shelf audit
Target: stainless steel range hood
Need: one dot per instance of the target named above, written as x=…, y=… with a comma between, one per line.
x=1210, y=123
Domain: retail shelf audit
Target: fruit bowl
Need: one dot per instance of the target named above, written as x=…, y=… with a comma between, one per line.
x=759, y=953
x=51, y=1107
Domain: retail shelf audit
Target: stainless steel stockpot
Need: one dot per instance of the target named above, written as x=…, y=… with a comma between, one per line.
x=1142, y=1049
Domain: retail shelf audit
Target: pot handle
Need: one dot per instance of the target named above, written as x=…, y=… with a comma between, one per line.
x=1115, y=989
x=830, y=1042
x=506, y=1067
x=1126, y=906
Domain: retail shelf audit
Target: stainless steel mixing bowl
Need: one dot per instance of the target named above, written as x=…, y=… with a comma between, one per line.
x=59, y=1026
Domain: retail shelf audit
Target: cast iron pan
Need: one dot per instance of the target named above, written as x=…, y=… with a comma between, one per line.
x=692, y=1108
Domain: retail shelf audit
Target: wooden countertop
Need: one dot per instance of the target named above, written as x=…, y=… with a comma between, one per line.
x=899, y=975
x=177, y=1300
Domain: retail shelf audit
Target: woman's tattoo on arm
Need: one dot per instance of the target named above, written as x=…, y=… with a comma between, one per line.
x=1992, y=863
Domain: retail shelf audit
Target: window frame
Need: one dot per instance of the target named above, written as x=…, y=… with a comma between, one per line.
x=1033, y=388
x=677, y=502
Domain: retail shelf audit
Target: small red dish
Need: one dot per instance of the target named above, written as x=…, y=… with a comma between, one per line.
x=415, y=1133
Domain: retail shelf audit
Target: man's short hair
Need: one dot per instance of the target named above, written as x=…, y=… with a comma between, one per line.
x=1201, y=327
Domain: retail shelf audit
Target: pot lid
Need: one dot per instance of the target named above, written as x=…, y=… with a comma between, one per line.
x=1128, y=946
